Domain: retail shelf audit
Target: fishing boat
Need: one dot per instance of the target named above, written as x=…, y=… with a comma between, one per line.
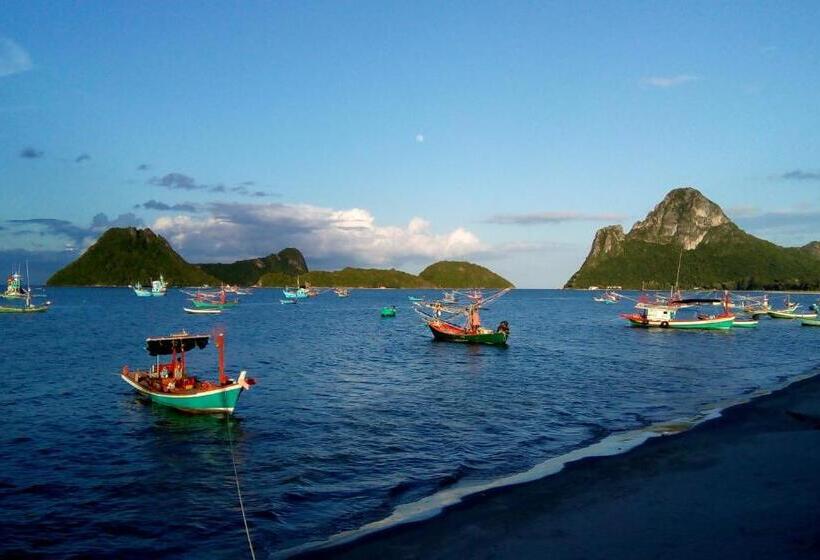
x=449, y=297
x=388, y=311
x=236, y=290
x=202, y=311
x=790, y=312
x=791, y=315
x=158, y=288
x=12, y=292
x=607, y=297
x=295, y=293
x=756, y=306
x=27, y=307
x=170, y=384
x=441, y=320
x=14, y=287
x=810, y=322
x=663, y=314
x=745, y=323
x=213, y=300
x=341, y=292
x=140, y=291
x=311, y=291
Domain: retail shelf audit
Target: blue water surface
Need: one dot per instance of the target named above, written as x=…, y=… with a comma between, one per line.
x=352, y=414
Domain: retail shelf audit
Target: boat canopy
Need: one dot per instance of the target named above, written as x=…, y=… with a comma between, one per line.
x=164, y=345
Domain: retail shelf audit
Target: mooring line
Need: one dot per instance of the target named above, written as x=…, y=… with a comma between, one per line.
x=239, y=490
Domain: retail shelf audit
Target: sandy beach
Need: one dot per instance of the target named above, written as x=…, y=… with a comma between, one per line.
x=744, y=485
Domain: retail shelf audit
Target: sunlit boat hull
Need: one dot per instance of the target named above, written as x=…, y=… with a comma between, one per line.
x=213, y=305
x=217, y=401
x=29, y=309
x=202, y=311
x=810, y=322
x=791, y=315
x=449, y=333
x=717, y=323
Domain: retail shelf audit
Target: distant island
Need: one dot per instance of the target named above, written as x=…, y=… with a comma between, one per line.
x=124, y=256
x=443, y=274
x=714, y=252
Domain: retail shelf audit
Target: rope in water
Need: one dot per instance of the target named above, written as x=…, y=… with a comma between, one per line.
x=239, y=490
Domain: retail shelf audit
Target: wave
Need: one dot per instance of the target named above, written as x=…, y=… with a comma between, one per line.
x=613, y=444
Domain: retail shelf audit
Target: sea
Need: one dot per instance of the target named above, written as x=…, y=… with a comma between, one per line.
x=353, y=417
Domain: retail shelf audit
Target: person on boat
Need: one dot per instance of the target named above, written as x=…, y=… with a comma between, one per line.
x=474, y=319
x=504, y=327
x=437, y=309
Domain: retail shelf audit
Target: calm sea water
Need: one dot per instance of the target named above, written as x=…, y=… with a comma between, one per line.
x=352, y=414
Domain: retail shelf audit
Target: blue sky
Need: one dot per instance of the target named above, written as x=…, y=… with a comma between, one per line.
x=395, y=134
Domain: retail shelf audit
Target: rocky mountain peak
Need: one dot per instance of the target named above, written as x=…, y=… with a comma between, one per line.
x=684, y=216
x=608, y=241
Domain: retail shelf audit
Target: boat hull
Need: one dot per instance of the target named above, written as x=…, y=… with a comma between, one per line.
x=791, y=315
x=745, y=323
x=202, y=311
x=31, y=309
x=719, y=323
x=218, y=401
x=810, y=322
x=447, y=333
x=212, y=305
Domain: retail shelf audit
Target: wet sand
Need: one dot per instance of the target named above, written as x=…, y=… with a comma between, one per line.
x=746, y=485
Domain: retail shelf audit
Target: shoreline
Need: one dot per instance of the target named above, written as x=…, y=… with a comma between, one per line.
x=720, y=487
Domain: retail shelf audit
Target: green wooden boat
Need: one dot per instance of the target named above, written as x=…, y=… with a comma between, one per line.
x=810, y=322
x=205, y=304
x=388, y=311
x=745, y=323
x=448, y=332
x=169, y=384
x=439, y=315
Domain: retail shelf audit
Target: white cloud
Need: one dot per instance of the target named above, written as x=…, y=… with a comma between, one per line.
x=552, y=218
x=13, y=58
x=420, y=138
x=669, y=81
x=327, y=236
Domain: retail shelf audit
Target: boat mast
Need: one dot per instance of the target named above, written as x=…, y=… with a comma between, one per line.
x=677, y=276
x=220, y=345
x=28, y=287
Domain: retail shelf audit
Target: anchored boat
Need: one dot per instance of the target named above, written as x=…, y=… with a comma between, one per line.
x=158, y=288
x=14, y=287
x=212, y=300
x=663, y=314
x=15, y=290
x=170, y=384
x=440, y=319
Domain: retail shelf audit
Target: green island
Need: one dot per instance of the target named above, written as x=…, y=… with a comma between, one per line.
x=124, y=256
x=713, y=252
x=443, y=274
x=248, y=272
